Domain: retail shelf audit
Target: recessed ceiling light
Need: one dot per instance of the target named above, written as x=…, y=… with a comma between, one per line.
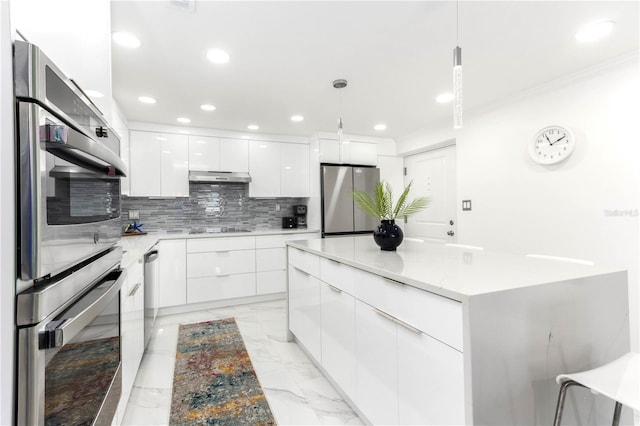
x=594, y=31
x=444, y=98
x=184, y=120
x=253, y=127
x=297, y=118
x=126, y=40
x=146, y=99
x=380, y=127
x=94, y=93
x=218, y=56
x=208, y=107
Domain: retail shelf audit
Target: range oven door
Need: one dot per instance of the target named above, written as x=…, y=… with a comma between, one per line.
x=69, y=368
x=69, y=194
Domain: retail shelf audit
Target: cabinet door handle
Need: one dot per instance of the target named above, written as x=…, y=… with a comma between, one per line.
x=397, y=321
x=301, y=271
x=222, y=275
x=336, y=289
x=134, y=290
x=390, y=281
x=333, y=261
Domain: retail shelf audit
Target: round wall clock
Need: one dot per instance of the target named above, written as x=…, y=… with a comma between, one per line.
x=552, y=145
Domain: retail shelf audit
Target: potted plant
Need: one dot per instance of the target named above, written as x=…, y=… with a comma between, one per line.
x=388, y=235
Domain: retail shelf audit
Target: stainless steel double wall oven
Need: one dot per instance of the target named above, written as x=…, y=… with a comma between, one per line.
x=69, y=276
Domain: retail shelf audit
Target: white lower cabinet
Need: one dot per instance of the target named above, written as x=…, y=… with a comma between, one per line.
x=268, y=282
x=376, y=366
x=338, y=331
x=131, y=328
x=430, y=380
x=304, y=310
x=220, y=268
x=221, y=287
x=394, y=350
x=172, y=272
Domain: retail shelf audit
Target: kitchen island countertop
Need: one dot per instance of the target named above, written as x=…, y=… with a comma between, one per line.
x=454, y=271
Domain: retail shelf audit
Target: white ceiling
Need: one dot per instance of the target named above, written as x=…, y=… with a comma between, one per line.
x=397, y=57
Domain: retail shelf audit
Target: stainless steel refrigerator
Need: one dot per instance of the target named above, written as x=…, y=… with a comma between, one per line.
x=340, y=216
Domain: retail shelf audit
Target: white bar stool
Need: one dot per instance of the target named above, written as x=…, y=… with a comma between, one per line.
x=618, y=380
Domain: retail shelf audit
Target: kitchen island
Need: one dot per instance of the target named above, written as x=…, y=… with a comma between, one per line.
x=446, y=334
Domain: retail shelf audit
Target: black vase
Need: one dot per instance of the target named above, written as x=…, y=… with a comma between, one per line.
x=388, y=235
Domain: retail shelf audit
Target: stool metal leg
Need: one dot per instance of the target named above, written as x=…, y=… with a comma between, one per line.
x=561, y=397
x=616, y=414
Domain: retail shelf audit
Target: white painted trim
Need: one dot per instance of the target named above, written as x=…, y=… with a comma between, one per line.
x=192, y=307
x=444, y=144
x=198, y=131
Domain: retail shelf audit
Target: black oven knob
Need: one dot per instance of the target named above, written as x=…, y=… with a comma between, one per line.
x=101, y=132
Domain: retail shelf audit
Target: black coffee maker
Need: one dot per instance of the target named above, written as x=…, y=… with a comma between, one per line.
x=300, y=215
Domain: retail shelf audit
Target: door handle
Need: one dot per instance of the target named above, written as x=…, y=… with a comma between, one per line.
x=450, y=233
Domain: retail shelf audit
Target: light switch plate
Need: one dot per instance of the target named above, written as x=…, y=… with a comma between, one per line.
x=466, y=205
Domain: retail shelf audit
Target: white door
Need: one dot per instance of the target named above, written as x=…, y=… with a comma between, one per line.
x=434, y=175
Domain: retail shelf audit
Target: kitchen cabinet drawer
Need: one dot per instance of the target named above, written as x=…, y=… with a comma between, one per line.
x=430, y=381
x=197, y=245
x=376, y=366
x=307, y=262
x=206, y=289
x=271, y=282
x=272, y=259
x=435, y=315
x=172, y=272
x=270, y=241
x=304, y=310
x=339, y=337
x=218, y=263
x=337, y=274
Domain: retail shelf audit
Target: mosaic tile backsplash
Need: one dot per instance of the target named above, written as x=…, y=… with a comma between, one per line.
x=210, y=206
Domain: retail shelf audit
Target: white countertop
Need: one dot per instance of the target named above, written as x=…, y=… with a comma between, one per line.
x=454, y=272
x=135, y=246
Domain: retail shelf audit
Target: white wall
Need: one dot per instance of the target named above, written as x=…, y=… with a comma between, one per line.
x=7, y=221
x=75, y=35
x=564, y=209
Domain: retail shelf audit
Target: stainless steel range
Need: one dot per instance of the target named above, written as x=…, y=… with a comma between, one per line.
x=68, y=284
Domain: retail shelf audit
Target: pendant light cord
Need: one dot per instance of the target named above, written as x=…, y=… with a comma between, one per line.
x=457, y=26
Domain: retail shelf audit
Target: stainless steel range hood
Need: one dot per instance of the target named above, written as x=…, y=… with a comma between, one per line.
x=219, y=177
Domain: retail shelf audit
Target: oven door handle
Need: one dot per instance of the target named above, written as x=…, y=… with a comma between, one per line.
x=60, y=332
x=69, y=144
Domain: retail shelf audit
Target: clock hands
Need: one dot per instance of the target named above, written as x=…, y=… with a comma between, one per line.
x=550, y=143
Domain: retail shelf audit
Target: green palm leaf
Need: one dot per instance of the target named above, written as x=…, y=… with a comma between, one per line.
x=380, y=203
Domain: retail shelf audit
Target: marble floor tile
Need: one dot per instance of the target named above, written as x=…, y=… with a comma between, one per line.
x=296, y=390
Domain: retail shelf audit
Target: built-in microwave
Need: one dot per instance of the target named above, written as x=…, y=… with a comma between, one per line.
x=68, y=171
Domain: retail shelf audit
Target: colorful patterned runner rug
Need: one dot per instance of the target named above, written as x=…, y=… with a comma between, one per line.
x=214, y=382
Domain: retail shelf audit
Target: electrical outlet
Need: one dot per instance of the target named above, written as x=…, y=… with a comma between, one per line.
x=277, y=207
x=466, y=205
x=134, y=214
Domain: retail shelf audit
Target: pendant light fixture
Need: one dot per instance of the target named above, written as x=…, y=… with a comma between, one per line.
x=457, y=80
x=340, y=84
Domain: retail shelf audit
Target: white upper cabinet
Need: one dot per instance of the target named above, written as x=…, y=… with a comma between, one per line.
x=362, y=153
x=349, y=152
x=144, y=168
x=294, y=170
x=218, y=154
x=234, y=155
x=264, y=168
x=159, y=164
x=278, y=169
x=329, y=151
x=204, y=153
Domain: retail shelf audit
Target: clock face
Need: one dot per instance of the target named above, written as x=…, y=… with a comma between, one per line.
x=552, y=145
